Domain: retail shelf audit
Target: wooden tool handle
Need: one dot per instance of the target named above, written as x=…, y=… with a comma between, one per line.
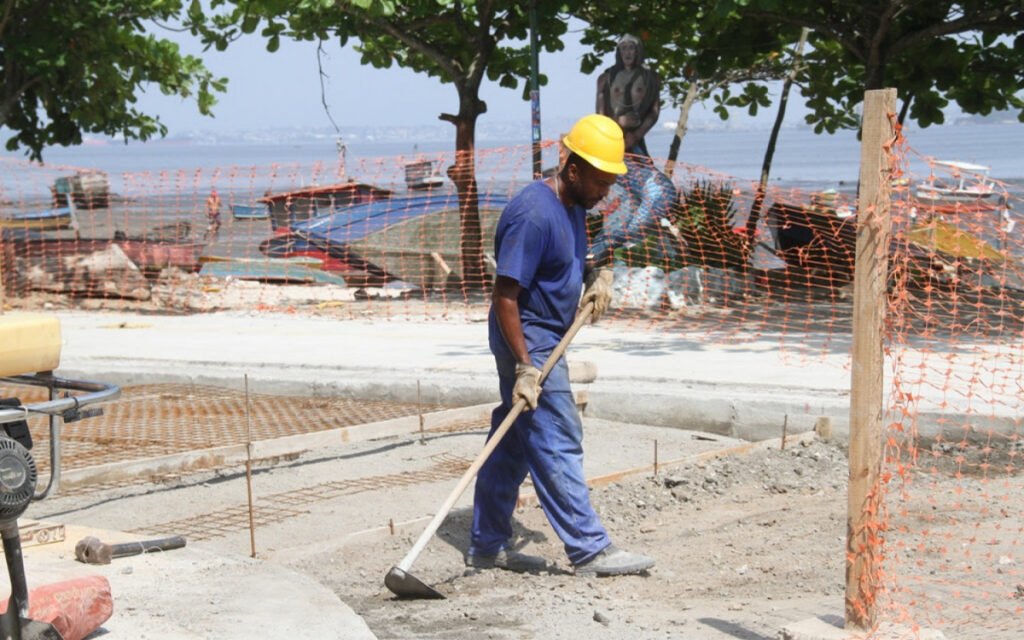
x=493, y=441
x=123, y=549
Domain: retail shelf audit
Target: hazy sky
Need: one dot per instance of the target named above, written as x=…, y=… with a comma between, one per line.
x=283, y=89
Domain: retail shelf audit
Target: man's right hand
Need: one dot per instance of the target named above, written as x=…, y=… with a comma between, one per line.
x=527, y=384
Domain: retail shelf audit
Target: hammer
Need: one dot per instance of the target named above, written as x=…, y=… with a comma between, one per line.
x=91, y=550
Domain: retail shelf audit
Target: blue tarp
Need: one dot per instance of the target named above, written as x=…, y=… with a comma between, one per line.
x=637, y=203
x=359, y=221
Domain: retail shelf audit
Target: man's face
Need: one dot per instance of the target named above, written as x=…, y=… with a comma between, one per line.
x=628, y=51
x=589, y=185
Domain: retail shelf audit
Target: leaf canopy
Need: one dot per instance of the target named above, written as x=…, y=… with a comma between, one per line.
x=80, y=67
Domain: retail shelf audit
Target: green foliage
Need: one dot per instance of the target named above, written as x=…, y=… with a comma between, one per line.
x=79, y=67
x=691, y=41
x=933, y=53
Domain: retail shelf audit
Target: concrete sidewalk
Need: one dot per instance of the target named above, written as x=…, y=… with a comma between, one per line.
x=744, y=388
x=739, y=384
x=155, y=594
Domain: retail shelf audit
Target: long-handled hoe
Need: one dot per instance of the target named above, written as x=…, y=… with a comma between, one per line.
x=402, y=583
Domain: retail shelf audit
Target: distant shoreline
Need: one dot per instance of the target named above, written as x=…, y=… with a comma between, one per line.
x=803, y=159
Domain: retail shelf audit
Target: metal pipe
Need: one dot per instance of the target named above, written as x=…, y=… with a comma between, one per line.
x=15, y=567
x=56, y=408
x=95, y=392
x=53, y=484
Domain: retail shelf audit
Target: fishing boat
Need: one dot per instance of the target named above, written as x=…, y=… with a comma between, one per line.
x=423, y=174
x=293, y=207
x=413, y=239
x=151, y=256
x=820, y=240
x=43, y=220
x=956, y=187
x=250, y=212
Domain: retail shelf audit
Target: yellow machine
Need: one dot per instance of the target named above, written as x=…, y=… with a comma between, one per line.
x=29, y=352
x=29, y=343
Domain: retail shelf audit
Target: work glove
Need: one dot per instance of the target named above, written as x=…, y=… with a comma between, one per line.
x=599, y=289
x=527, y=384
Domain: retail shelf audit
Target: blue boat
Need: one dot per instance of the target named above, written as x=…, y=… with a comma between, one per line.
x=292, y=207
x=250, y=212
x=414, y=239
x=47, y=219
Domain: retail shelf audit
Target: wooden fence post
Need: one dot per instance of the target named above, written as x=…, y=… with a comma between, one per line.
x=2, y=292
x=869, y=300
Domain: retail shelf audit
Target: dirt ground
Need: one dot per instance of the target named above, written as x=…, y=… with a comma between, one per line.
x=744, y=544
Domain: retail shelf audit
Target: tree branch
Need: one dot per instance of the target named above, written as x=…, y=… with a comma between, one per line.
x=8, y=7
x=323, y=88
x=1007, y=17
x=402, y=34
x=884, y=22
x=825, y=28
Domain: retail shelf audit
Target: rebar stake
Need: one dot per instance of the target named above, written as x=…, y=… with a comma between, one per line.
x=248, y=469
x=419, y=412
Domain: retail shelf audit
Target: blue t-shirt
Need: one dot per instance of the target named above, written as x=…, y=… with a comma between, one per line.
x=542, y=245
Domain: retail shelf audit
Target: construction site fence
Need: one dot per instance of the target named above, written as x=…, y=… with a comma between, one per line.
x=713, y=256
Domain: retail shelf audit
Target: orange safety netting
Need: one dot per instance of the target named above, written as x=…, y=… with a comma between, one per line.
x=393, y=237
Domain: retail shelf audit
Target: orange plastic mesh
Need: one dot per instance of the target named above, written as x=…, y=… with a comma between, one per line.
x=687, y=259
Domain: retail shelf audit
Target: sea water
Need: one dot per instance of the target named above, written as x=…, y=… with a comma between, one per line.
x=802, y=158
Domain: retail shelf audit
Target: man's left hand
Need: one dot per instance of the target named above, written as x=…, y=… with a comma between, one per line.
x=598, y=290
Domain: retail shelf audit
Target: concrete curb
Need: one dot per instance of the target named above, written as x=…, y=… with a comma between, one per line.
x=745, y=411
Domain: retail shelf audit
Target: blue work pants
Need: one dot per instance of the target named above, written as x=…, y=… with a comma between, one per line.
x=547, y=442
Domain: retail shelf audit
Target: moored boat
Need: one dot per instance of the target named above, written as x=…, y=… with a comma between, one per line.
x=47, y=219
x=958, y=187
x=250, y=212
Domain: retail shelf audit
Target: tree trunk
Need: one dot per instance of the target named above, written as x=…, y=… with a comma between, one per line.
x=463, y=174
x=769, y=153
x=684, y=118
x=905, y=109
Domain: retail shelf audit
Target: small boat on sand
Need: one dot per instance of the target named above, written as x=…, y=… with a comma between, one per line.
x=958, y=187
x=250, y=212
x=44, y=220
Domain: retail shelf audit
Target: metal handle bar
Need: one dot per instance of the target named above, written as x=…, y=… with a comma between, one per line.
x=57, y=409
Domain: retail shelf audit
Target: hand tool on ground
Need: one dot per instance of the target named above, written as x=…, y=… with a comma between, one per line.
x=92, y=550
x=402, y=583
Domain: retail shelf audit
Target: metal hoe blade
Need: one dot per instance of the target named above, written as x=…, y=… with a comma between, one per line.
x=406, y=585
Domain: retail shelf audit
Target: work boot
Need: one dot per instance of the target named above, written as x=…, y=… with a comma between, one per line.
x=612, y=561
x=509, y=560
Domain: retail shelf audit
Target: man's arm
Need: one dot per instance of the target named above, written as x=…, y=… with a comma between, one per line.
x=506, y=309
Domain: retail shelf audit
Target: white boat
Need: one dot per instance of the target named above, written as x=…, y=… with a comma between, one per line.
x=951, y=182
x=956, y=188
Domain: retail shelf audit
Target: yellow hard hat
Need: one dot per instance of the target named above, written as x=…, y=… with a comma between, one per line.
x=598, y=140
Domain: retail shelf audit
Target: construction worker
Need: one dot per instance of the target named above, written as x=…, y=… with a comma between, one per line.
x=540, y=246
